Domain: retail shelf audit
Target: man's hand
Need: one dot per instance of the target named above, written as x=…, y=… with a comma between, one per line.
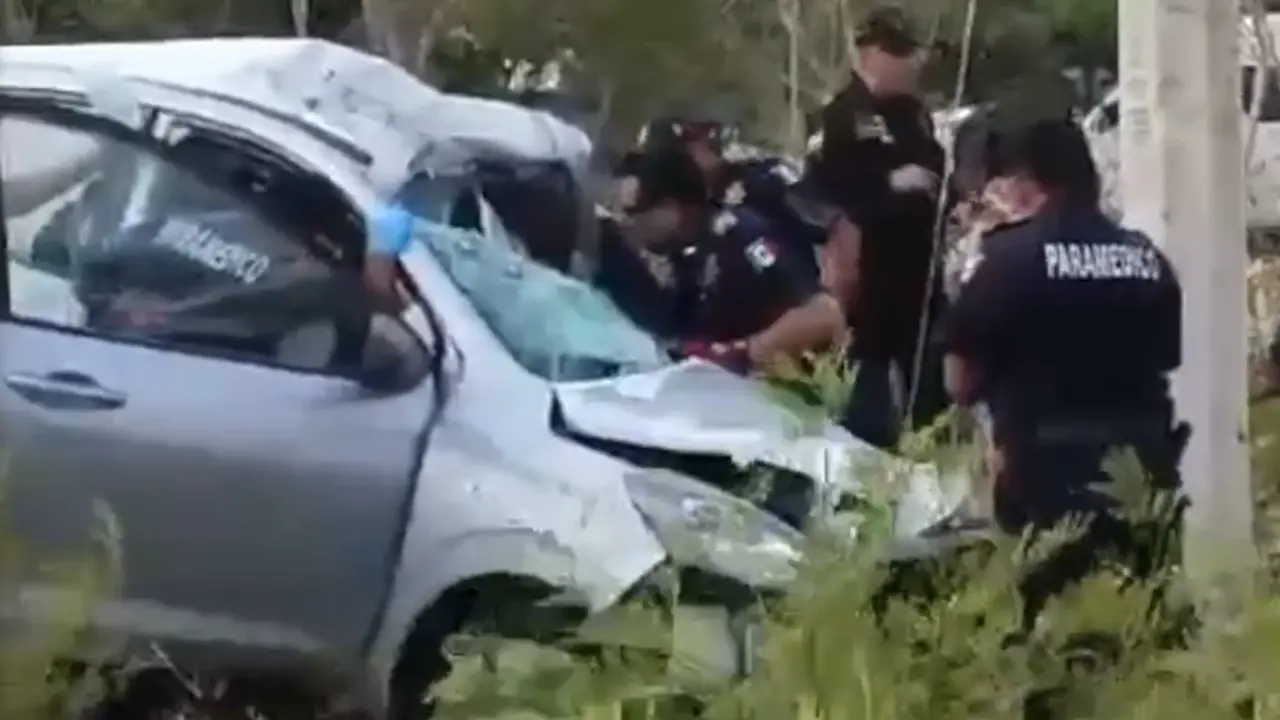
x=914, y=178
x=816, y=325
x=839, y=261
x=381, y=280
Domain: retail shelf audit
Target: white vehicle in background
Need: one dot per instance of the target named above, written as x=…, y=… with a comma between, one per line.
x=1102, y=127
x=304, y=482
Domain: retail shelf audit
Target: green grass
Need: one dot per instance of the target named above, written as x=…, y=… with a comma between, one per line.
x=33, y=684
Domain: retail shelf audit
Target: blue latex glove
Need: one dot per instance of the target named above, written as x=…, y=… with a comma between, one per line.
x=391, y=229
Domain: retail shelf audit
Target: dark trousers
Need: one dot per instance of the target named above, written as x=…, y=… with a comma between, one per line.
x=873, y=414
x=1049, y=485
x=1144, y=546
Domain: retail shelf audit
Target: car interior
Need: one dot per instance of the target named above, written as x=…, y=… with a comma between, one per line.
x=539, y=202
x=305, y=205
x=324, y=316
x=312, y=315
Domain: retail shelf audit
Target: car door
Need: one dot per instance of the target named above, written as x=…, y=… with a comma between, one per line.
x=260, y=499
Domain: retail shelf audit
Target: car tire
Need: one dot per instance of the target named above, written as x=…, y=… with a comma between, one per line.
x=508, y=606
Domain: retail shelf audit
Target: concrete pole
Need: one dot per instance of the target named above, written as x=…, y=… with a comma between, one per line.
x=1182, y=170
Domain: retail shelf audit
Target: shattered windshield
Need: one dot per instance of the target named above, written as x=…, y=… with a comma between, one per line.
x=558, y=327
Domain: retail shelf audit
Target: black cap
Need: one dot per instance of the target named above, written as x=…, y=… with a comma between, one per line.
x=889, y=29
x=669, y=174
x=669, y=132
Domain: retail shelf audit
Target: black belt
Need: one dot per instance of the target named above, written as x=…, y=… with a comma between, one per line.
x=1154, y=428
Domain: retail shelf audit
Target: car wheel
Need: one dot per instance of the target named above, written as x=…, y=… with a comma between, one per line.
x=506, y=606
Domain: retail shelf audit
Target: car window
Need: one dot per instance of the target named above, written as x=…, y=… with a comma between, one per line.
x=556, y=326
x=539, y=203
x=464, y=212
x=107, y=235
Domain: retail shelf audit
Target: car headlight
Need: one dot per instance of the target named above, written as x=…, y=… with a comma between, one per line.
x=703, y=526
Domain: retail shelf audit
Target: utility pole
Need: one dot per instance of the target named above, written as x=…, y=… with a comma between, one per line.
x=1182, y=170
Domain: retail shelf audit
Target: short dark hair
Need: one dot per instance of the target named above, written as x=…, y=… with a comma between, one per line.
x=888, y=28
x=669, y=174
x=1054, y=153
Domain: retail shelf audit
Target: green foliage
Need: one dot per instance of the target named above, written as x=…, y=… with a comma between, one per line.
x=836, y=646
x=1084, y=30
x=771, y=61
x=32, y=687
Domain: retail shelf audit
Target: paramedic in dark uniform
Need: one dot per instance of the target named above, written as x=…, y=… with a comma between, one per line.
x=738, y=297
x=777, y=192
x=644, y=262
x=644, y=271
x=880, y=163
x=812, y=228
x=1066, y=327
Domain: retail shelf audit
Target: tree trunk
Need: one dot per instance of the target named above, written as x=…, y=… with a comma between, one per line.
x=19, y=27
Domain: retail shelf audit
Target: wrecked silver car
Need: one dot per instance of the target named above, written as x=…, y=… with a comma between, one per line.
x=301, y=478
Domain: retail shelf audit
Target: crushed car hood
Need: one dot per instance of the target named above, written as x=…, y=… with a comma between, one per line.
x=690, y=407
x=696, y=407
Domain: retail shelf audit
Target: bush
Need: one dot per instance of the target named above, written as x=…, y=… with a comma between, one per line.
x=35, y=681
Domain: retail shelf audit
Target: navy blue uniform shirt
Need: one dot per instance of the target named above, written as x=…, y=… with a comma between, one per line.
x=655, y=287
x=865, y=138
x=1073, y=325
x=777, y=192
x=729, y=283
x=746, y=278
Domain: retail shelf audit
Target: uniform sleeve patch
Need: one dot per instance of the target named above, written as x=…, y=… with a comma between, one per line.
x=761, y=254
x=871, y=127
x=735, y=194
x=723, y=222
x=785, y=172
x=814, y=145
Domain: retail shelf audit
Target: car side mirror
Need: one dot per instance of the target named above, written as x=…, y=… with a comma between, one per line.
x=394, y=358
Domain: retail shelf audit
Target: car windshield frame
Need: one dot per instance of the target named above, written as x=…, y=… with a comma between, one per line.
x=558, y=327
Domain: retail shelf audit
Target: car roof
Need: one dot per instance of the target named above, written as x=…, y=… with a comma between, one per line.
x=378, y=106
